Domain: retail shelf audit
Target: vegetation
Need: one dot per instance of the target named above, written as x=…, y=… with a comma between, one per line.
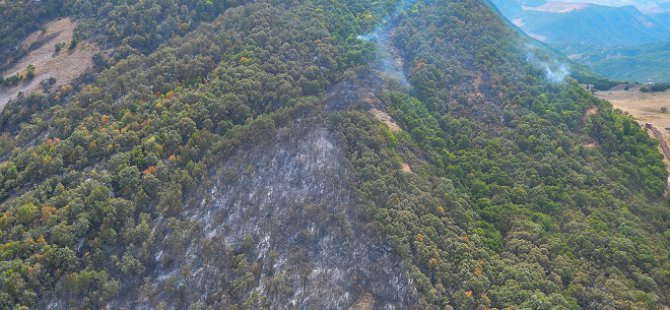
x=585, y=76
x=639, y=63
x=10, y=81
x=508, y=205
x=655, y=88
x=58, y=47
x=30, y=72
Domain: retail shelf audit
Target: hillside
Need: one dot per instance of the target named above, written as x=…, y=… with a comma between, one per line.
x=320, y=154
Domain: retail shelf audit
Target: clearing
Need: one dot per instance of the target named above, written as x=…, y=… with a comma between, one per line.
x=64, y=66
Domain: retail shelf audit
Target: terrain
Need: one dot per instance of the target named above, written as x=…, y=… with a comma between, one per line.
x=322, y=154
x=648, y=6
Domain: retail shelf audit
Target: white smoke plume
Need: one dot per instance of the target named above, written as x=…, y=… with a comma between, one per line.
x=554, y=70
x=388, y=58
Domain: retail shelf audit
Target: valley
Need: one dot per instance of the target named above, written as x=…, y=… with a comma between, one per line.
x=648, y=107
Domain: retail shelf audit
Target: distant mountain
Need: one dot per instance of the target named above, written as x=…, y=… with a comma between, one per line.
x=648, y=6
x=571, y=25
x=619, y=42
x=663, y=19
x=648, y=62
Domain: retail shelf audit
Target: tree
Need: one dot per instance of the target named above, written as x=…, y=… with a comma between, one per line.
x=73, y=43
x=30, y=72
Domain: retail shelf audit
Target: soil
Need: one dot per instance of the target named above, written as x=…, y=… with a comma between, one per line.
x=365, y=302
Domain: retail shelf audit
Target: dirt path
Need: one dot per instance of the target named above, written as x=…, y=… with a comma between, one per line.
x=593, y=110
x=661, y=140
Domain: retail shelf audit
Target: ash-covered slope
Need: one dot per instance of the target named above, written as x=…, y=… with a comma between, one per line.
x=278, y=221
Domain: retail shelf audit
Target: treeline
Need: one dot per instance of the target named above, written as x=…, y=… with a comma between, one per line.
x=584, y=75
x=655, y=88
x=10, y=81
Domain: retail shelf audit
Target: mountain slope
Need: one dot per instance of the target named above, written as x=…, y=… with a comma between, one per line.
x=620, y=43
x=588, y=25
x=638, y=63
x=244, y=164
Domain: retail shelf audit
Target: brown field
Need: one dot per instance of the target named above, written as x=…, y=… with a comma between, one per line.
x=64, y=66
x=644, y=107
x=557, y=7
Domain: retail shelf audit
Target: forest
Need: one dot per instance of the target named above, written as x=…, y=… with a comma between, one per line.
x=516, y=199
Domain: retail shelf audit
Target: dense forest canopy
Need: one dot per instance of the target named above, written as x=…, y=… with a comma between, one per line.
x=518, y=196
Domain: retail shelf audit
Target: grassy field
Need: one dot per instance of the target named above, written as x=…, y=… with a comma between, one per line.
x=644, y=107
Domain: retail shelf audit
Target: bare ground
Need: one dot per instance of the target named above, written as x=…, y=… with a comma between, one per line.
x=64, y=66
x=406, y=168
x=386, y=119
x=365, y=302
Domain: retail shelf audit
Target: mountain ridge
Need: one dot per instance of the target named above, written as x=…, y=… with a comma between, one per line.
x=174, y=171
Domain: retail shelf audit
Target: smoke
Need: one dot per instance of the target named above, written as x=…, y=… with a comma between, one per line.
x=558, y=75
x=388, y=21
x=554, y=70
x=389, y=60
